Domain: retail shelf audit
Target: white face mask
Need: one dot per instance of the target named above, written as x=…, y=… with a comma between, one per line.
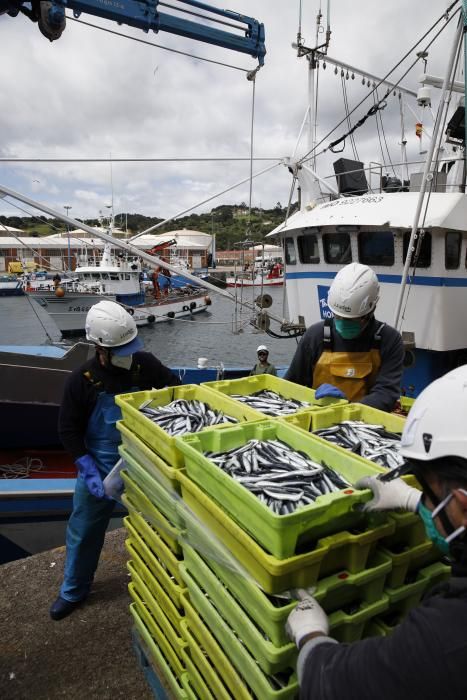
x=121, y=362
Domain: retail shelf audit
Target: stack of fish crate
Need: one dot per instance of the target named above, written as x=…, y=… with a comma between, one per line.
x=152, y=491
x=215, y=571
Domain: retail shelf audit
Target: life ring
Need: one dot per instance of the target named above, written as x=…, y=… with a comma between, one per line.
x=130, y=310
x=186, y=308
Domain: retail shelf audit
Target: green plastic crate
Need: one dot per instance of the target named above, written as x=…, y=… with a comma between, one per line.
x=232, y=646
x=327, y=417
x=406, y=403
x=204, y=666
x=271, y=659
x=347, y=628
x=158, y=635
x=200, y=632
x=147, y=458
x=409, y=530
x=261, y=382
x=158, y=439
x=137, y=548
x=142, y=577
x=409, y=595
x=409, y=559
x=206, y=523
x=155, y=653
x=164, y=501
x=339, y=590
x=140, y=509
x=279, y=534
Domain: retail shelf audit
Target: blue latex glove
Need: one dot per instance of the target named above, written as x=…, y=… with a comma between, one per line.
x=325, y=390
x=90, y=473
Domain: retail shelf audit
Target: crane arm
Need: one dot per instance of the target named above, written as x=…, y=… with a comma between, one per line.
x=161, y=246
x=238, y=32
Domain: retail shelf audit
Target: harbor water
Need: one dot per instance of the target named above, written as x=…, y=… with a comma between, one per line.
x=222, y=334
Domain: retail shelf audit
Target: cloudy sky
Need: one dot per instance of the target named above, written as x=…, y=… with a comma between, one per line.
x=92, y=94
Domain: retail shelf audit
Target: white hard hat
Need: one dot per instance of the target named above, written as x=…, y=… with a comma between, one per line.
x=108, y=324
x=262, y=348
x=354, y=291
x=436, y=424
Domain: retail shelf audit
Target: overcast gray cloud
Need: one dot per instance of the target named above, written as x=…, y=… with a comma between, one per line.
x=92, y=94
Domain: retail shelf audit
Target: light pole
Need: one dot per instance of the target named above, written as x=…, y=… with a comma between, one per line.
x=67, y=208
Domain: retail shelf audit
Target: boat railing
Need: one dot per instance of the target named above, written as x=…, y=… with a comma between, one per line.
x=378, y=170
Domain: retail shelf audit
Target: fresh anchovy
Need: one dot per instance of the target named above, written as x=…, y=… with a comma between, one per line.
x=181, y=416
x=280, y=477
x=373, y=442
x=271, y=403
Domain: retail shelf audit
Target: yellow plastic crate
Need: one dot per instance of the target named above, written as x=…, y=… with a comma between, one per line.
x=141, y=596
x=289, y=390
x=145, y=538
x=140, y=574
x=141, y=509
x=147, y=458
x=204, y=665
x=232, y=680
x=164, y=500
x=155, y=653
x=158, y=439
x=159, y=638
x=137, y=548
x=197, y=681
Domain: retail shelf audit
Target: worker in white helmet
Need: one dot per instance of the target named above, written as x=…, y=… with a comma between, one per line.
x=263, y=366
x=351, y=356
x=425, y=655
x=87, y=427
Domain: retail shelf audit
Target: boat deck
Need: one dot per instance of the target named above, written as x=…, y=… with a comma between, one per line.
x=87, y=655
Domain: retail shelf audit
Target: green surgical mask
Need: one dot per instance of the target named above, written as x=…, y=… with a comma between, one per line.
x=348, y=328
x=431, y=530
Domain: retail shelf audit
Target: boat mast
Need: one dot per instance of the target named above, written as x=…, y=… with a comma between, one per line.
x=427, y=173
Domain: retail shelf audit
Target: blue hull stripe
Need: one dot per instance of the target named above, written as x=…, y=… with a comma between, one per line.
x=419, y=280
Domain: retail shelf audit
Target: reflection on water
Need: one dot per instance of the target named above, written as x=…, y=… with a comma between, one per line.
x=208, y=334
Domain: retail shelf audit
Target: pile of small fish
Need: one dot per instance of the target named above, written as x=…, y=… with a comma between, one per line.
x=271, y=403
x=281, y=478
x=373, y=442
x=181, y=416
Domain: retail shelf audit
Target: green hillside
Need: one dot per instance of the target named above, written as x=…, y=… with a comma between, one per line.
x=230, y=223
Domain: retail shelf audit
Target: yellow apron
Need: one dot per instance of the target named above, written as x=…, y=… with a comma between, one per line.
x=354, y=373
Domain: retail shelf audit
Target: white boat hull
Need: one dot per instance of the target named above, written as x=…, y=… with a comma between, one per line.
x=69, y=312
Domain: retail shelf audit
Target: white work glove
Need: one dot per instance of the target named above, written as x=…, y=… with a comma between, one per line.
x=390, y=495
x=306, y=618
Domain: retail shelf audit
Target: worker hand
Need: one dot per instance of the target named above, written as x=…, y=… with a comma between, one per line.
x=91, y=475
x=306, y=618
x=390, y=495
x=325, y=390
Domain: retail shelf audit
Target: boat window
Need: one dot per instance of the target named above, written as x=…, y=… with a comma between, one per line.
x=290, y=254
x=114, y=276
x=337, y=250
x=422, y=252
x=95, y=276
x=127, y=275
x=308, y=249
x=452, y=249
x=86, y=276
x=376, y=247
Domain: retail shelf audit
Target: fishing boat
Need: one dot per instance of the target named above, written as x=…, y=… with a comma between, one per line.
x=410, y=227
x=260, y=276
x=119, y=278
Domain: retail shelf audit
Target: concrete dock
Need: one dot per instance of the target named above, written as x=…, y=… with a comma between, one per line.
x=85, y=656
